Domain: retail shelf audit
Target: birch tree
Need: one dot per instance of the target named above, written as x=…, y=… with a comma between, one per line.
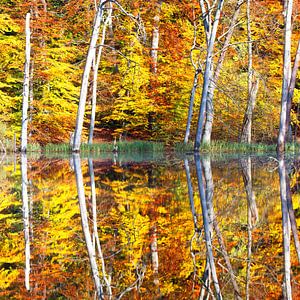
x=96, y=63
x=88, y=65
x=206, y=139
x=253, y=84
x=85, y=78
x=207, y=11
x=286, y=80
x=25, y=103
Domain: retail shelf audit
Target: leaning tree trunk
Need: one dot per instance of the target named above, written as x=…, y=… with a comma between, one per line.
x=26, y=87
x=291, y=89
x=96, y=63
x=288, y=7
x=85, y=78
x=207, y=76
x=192, y=100
x=206, y=139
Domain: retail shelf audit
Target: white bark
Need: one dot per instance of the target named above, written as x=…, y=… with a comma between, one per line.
x=207, y=76
x=288, y=7
x=252, y=87
x=154, y=45
x=206, y=139
x=25, y=209
x=292, y=87
x=96, y=63
x=191, y=106
x=85, y=224
x=85, y=78
x=25, y=103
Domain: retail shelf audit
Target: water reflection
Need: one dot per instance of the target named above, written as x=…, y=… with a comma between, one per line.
x=25, y=209
x=85, y=225
x=193, y=229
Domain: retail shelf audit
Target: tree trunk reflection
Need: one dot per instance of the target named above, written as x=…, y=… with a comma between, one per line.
x=206, y=205
x=25, y=209
x=252, y=215
x=96, y=240
x=85, y=224
x=284, y=195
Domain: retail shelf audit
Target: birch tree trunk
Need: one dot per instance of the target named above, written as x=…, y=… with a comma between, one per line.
x=154, y=45
x=245, y=136
x=288, y=7
x=291, y=89
x=96, y=63
x=207, y=76
x=25, y=103
x=85, y=78
x=206, y=139
x=191, y=106
x=25, y=210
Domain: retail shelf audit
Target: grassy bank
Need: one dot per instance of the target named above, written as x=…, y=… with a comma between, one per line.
x=120, y=147
x=146, y=146
x=233, y=147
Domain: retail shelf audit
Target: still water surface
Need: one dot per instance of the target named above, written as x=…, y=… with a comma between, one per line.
x=149, y=228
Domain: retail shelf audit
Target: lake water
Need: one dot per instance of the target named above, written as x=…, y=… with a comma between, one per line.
x=151, y=227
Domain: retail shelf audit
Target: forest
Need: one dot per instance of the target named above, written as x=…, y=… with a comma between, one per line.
x=168, y=71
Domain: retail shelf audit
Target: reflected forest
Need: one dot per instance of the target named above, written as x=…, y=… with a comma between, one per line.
x=193, y=228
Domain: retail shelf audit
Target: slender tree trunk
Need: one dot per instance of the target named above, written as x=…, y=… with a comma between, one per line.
x=85, y=78
x=26, y=87
x=85, y=224
x=207, y=76
x=246, y=133
x=153, y=69
x=25, y=209
x=96, y=63
x=154, y=44
x=245, y=136
x=288, y=7
x=191, y=106
x=206, y=139
x=291, y=92
x=287, y=289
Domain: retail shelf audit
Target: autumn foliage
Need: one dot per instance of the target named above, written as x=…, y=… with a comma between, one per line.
x=132, y=102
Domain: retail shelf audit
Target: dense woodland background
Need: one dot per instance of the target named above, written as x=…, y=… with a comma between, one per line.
x=133, y=101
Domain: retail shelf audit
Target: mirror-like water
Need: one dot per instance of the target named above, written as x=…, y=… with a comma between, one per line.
x=158, y=228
